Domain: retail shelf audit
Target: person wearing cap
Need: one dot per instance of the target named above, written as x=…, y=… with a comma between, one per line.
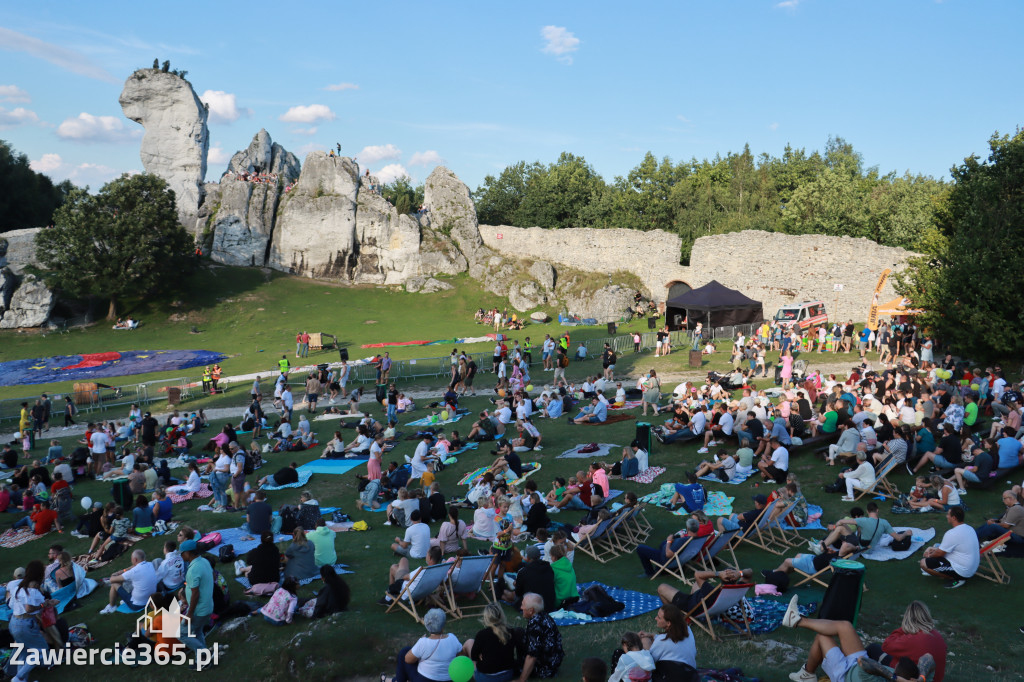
x=743, y=521
x=198, y=592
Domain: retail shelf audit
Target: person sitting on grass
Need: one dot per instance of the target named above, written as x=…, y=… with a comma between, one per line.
x=690, y=495
x=485, y=429
x=676, y=643
x=120, y=529
x=723, y=468
x=848, y=658
x=774, y=464
x=428, y=659
x=858, y=532
x=262, y=566
x=281, y=608
x=141, y=576
x=595, y=414
x=915, y=637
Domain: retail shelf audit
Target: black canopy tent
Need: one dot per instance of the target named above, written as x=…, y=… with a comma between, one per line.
x=714, y=305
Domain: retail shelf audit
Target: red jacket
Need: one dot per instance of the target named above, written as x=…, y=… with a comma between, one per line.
x=917, y=645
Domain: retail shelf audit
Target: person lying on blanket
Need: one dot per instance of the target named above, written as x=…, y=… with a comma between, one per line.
x=858, y=532
x=288, y=474
x=723, y=468
x=847, y=659
x=702, y=587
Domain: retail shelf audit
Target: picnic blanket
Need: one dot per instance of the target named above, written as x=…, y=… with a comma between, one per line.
x=426, y=421
x=718, y=504
x=662, y=496
x=18, y=537
x=468, y=478
x=331, y=466
x=304, y=477
x=814, y=513
x=736, y=480
x=84, y=561
x=637, y=603
x=603, y=449
x=237, y=538
x=465, y=448
x=340, y=569
x=331, y=415
x=919, y=539
x=204, y=491
x=648, y=476
x=628, y=405
x=612, y=419
x=768, y=613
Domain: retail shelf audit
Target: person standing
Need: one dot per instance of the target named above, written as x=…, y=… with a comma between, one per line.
x=26, y=602
x=199, y=595
x=313, y=388
x=298, y=345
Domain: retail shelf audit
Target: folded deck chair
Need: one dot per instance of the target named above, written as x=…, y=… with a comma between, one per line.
x=590, y=544
x=723, y=542
x=882, y=486
x=716, y=605
x=470, y=575
x=675, y=565
x=990, y=568
x=421, y=588
x=758, y=534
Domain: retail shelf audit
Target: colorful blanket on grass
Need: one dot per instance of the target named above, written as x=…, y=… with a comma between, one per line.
x=814, y=513
x=426, y=421
x=340, y=569
x=204, y=491
x=648, y=476
x=920, y=538
x=89, y=564
x=18, y=537
x=304, y=477
x=473, y=475
x=637, y=603
x=717, y=504
x=736, y=480
x=603, y=449
x=768, y=613
x=628, y=405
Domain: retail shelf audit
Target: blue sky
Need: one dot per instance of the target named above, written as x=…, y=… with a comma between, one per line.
x=913, y=84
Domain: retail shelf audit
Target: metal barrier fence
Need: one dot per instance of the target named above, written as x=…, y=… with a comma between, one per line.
x=417, y=368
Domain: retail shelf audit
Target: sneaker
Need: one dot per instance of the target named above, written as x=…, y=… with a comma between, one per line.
x=388, y=523
x=961, y=491
x=660, y=437
x=803, y=676
x=925, y=573
x=383, y=601
x=792, y=617
x=926, y=666
x=703, y=450
x=815, y=547
x=219, y=510
x=955, y=584
x=239, y=565
x=712, y=443
x=847, y=498
x=108, y=609
x=910, y=470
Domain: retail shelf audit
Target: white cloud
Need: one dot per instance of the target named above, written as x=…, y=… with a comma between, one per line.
x=427, y=158
x=339, y=87
x=88, y=128
x=375, y=153
x=787, y=4
x=308, y=114
x=773, y=126
x=391, y=172
x=12, y=93
x=223, y=106
x=16, y=117
x=683, y=119
x=560, y=43
x=217, y=155
x=61, y=57
x=46, y=163
x=304, y=131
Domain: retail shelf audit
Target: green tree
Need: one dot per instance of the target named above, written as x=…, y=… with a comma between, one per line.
x=557, y=197
x=403, y=196
x=498, y=199
x=28, y=198
x=123, y=242
x=969, y=277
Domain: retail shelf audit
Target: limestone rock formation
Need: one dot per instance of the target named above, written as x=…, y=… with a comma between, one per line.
x=314, y=235
x=544, y=274
x=243, y=222
x=265, y=156
x=30, y=305
x=18, y=249
x=606, y=304
x=426, y=285
x=8, y=283
x=176, y=139
x=452, y=211
x=525, y=296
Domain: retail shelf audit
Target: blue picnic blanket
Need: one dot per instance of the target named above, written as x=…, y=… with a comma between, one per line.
x=340, y=569
x=815, y=524
x=736, y=480
x=768, y=613
x=304, y=477
x=330, y=466
x=426, y=421
x=464, y=448
x=233, y=536
x=637, y=603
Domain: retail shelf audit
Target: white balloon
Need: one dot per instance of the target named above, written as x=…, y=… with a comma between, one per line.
x=17, y=435
x=86, y=503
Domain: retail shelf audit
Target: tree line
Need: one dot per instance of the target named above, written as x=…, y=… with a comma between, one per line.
x=829, y=192
x=27, y=198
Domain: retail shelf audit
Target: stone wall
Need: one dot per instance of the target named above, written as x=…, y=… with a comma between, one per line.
x=652, y=256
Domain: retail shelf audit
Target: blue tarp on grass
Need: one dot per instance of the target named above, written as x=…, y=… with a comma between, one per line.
x=90, y=366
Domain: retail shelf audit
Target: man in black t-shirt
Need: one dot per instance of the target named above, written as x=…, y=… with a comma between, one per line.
x=289, y=474
x=148, y=427
x=259, y=514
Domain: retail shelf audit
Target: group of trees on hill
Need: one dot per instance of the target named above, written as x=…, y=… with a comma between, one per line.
x=828, y=192
x=27, y=198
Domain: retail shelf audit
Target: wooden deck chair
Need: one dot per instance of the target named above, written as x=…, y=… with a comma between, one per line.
x=616, y=540
x=640, y=525
x=716, y=605
x=723, y=542
x=991, y=568
x=818, y=577
x=758, y=534
x=675, y=565
x=421, y=588
x=625, y=531
x=470, y=575
x=590, y=546
x=780, y=536
x=882, y=485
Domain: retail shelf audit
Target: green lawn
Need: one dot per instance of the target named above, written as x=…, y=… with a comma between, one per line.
x=259, y=315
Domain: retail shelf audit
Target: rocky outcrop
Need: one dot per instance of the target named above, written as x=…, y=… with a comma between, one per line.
x=18, y=249
x=452, y=212
x=30, y=305
x=8, y=283
x=263, y=155
x=243, y=222
x=426, y=285
x=544, y=274
x=606, y=304
x=525, y=296
x=176, y=139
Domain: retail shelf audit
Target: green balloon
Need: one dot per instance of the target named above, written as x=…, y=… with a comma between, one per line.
x=460, y=669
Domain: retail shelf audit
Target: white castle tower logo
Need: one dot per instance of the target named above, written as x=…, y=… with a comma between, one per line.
x=172, y=623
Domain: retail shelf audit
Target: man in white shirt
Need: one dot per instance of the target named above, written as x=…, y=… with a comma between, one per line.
x=98, y=448
x=776, y=467
x=416, y=541
x=957, y=557
x=140, y=576
x=421, y=459
x=504, y=413
x=170, y=572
